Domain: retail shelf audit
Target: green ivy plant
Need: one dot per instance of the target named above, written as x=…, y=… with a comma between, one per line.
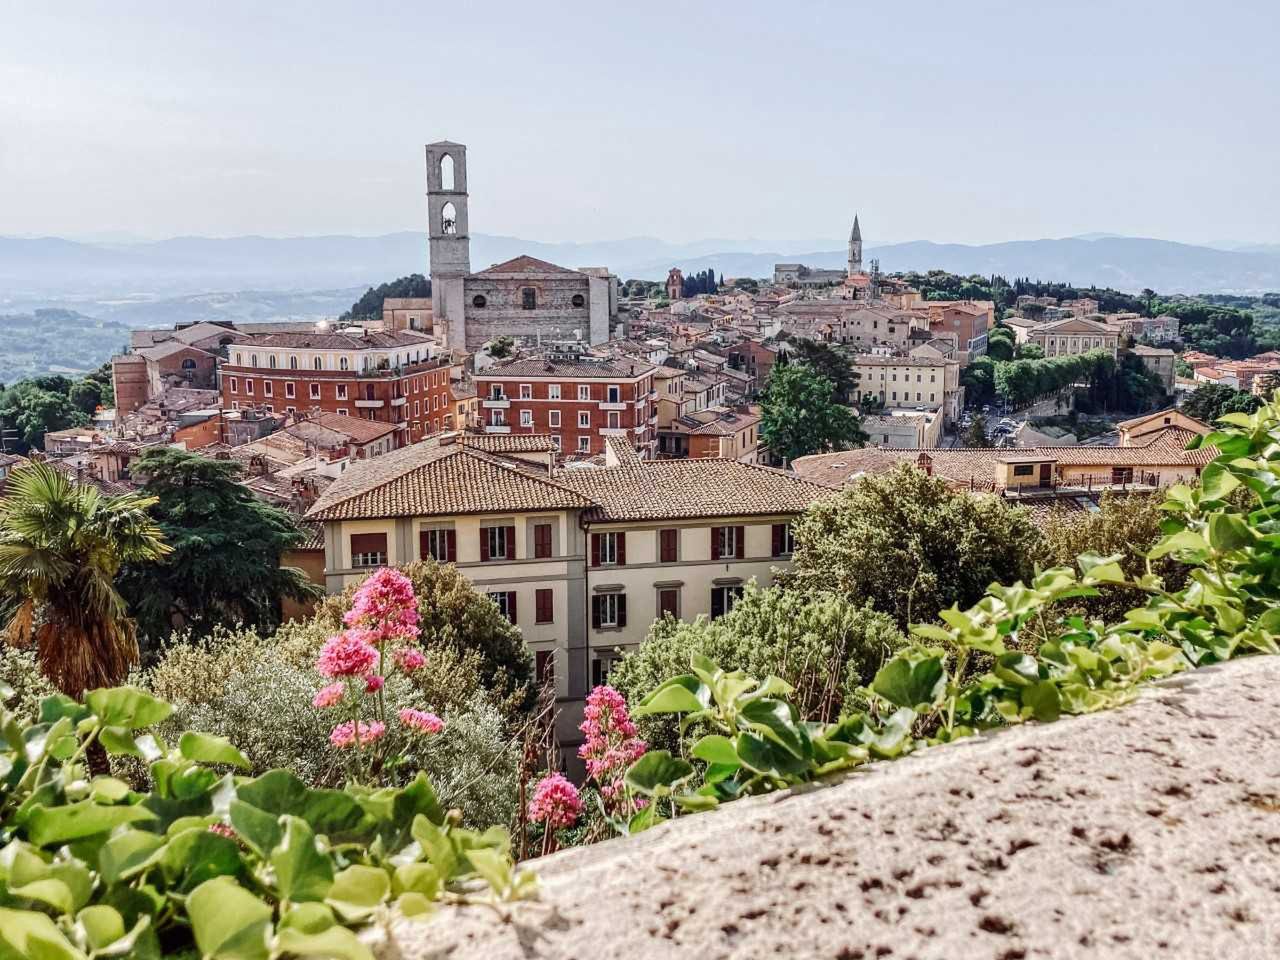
x=1007, y=659
x=208, y=861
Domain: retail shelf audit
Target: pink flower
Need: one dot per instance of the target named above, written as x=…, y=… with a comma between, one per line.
x=328, y=696
x=421, y=721
x=385, y=606
x=346, y=655
x=222, y=830
x=555, y=802
x=611, y=744
x=410, y=659
x=344, y=734
x=373, y=683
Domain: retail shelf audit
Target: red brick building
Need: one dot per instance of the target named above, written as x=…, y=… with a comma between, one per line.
x=578, y=401
x=386, y=377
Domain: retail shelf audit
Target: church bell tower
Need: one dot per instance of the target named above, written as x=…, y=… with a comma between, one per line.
x=447, y=229
x=855, y=248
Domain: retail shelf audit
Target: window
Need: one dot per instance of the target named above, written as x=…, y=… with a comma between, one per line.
x=600, y=669
x=188, y=364
x=579, y=300
x=314, y=391
x=497, y=418
x=609, y=549
x=584, y=444
x=234, y=385
x=248, y=387
x=529, y=298
x=271, y=361
x=609, y=610
x=340, y=391
x=344, y=411
x=343, y=364
x=544, y=667
x=727, y=542
x=253, y=359
x=669, y=602
x=526, y=418
x=555, y=441
x=783, y=543
x=368, y=549
x=318, y=363
x=1024, y=470
x=293, y=363
x=289, y=390
x=439, y=545
x=723, y=599
x=417, y=408
x=479, y=301
x=669, y=545
x=239, y=359
x=506, y=601
x=495, y=391
x=553, y=391
x=584, y=391
x=613, y=393
x=526, y=391
x=497, y=543
x=543, y=605
x=541, y=541
x=553, y=418
x=584, y=419
x=267, y=388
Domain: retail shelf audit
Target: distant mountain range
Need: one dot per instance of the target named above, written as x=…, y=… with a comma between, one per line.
x=44, y=270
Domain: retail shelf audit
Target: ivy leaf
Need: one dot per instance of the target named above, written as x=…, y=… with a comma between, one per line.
x=1042, y=698
x=776, y=720
x=1217, y=481
x=128, y=853
x=768, y=758
x=71, y=821
x=677, y=695
x=195, y=856
x=657, y=773
x=302, y=871
x=358, y=891
x=207, y=748
x=717, y=749
x=229, y=922
x=1227, y=531
x=911, y=681
x=27, y=934
x=127, y=707
x=336, y=942
x=1182, y=540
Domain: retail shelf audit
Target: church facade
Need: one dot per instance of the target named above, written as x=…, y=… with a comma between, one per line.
x=524, y=298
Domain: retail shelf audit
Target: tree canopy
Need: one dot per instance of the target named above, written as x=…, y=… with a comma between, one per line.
x=1214, y=400
x=800, y=414
x=369, y=306
x=225, y=566
x=828, y=361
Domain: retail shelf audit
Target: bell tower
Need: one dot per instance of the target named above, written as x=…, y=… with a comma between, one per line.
x=855, y=248
x=447, y=228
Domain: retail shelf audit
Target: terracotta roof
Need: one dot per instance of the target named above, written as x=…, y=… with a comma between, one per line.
x=523, y=264
x=619, y=369
x=340, y=341
x=434, y=479
x=508, y=442
x=354, y=428
x=168, y=348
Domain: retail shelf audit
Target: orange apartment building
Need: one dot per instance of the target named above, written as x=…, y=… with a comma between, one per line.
x=579, y=402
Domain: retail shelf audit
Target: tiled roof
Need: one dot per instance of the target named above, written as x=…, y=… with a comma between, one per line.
x=619, y=369
x=434, y=479
x=508, y=442
x=523, y=264
x=355, y=428
x=168, y=348
x=340, y=341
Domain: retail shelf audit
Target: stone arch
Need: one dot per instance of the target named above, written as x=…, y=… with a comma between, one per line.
x=448, y=219
x=446, y=172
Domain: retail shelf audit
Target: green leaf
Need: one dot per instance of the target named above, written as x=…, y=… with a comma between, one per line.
x=206, y=748
x=32, y=936
x=108, y=789
x=777, y=720
x=334, y=813
x=911, y=682
x=931, y=631
x=494, y=868
x=421, y=878
x=127, y=707
x=128, y=853
x=657, y=773
x=1217, y=482
x=766, y=757
x=229, y=922
x=53, y=825
x=715, y=748
x=695, y=802
x=436, y=846
x=358, y=891
x=302, y=871
x=256, y=827
x=1019, y=669
x=337, y=942
x=100, y=926
x=196, y=856
x=1182, y=540
x=1228, y=531
x=1042, y=698
x=307, y=918
x=677, y=695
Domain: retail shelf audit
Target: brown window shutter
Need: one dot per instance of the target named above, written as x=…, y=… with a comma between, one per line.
x=595, y=613
x=511, y=543
x=542, y=604
x=451, y=546
x=739, y=541
x=668, y=545
x=715, y=543
x=484, y=544
x=622, y=610
x=595, y=550
x=621, y=539
x=542, y=540
x=424, y=548
x=778, y=529
x=368, y=543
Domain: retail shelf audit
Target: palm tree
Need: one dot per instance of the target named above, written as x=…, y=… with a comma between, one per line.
x=61, y=547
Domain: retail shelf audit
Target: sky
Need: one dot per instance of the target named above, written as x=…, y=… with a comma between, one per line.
x=963, y=122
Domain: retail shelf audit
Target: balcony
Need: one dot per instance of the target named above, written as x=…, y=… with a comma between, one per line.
x=606, y=405
x=399, y=401
x=370, y=404
x=496, y=403
x=497, y=428
x=614, y=431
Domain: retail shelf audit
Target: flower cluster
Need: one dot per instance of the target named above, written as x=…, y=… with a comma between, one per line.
x=421, y=721
x=385, y=607
x=555, y=802
x=329, y=696
x=347, y=655
x=611, y=743
x=346, y=734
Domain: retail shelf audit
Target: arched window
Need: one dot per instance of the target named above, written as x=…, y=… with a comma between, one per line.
x=239, y=359
x=446, y=172
x=449, y=219
x=188, y=364
x=342, y=363
x=271, y=361
x=253, y=359
x=318, y=363
x=293, y=363
x=479, y=301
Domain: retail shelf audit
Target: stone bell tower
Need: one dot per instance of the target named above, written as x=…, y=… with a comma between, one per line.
x=855, y=248
x=447, y=230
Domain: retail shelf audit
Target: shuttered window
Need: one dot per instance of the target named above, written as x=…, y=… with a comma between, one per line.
x=440, y=545
x=727, y=543
x=497, y=543
x=542, y=540
x=543, y=605
x=669, y=546
x=609, y=610
x=368, y=549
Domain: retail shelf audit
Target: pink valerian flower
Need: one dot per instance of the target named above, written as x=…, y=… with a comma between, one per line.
x=386, y=607
x=611, y=744
x=346, y=655
x=329, y=696
x=410, y=659
x=555, y=802
x=421, y=721
x=345, y=734
x=373, y=683
x=222, y=830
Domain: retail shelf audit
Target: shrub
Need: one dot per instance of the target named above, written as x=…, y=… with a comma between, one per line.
x=20, y=672
x=824, y=645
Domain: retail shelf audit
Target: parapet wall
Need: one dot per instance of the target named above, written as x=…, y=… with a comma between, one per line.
x=1145, y=832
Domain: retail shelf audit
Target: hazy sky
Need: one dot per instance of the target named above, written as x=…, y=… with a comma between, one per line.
x=967, y=122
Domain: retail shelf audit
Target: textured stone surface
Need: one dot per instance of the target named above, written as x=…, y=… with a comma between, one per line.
x=1146, y=832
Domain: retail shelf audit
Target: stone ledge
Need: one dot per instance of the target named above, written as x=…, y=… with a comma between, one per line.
x=1145, y=832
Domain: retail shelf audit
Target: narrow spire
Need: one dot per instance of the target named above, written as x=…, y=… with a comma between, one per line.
x=857, y=231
